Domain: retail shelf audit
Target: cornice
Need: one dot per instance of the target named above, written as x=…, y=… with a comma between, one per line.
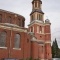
x=36, y=22
x=12, y=27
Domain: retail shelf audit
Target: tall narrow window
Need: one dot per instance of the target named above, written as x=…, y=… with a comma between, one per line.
x=40, y=29
x=32, y=17
x=36, y=4
x=23, y=23
x=39, y=17
x=17, y=41
x=2, y=39
x=0, y=17
x=19, y=22
x=9, y=19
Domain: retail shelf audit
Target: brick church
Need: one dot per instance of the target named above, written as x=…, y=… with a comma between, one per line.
x=20, y=43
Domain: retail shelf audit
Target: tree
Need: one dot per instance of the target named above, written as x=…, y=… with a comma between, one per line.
x=55, y=49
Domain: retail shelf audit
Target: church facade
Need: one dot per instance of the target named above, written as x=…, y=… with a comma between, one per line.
x=20, y=43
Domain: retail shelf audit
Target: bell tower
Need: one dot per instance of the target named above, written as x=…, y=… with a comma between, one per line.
x=36, y=13
x=36, y=18
x=39, y=42
x=36, y=4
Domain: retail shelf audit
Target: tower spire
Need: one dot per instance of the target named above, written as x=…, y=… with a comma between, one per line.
x=36, y=13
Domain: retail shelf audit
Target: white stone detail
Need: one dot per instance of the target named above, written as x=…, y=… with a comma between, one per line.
x=12, y=27
x=48, y=42
x=40, y=32
x=42, y=59
x=34, y=39
x=38, y=22
x=17, y=48
x=3, y=47
x=9, y=24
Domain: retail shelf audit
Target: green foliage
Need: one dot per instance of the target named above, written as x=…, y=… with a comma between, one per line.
x=55, y=49
x=30, y=58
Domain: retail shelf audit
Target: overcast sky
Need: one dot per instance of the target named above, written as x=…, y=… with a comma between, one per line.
x=51, y=8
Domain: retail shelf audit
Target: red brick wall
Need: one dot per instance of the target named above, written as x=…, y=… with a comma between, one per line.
x=13, y=53
x=34, y=50
x=14, y=18
x=46, y=37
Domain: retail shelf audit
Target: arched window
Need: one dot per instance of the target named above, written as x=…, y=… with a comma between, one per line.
x=39, y=17
x=36, y=4
x=17, y=41
x=9, y=19
x=19, y=22
x=40, y=29
x=2, y=39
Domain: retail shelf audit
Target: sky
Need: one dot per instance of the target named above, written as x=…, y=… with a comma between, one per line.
x=51, y=8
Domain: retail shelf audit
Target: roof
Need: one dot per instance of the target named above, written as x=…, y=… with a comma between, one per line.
x=11, y=13
x=37, y=0
x=40, y=11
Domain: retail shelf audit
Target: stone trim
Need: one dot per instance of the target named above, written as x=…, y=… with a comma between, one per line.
x=42, y=59
x=47, y=42
x=43, y=33
x=35, y=40
x=17, y=48
x=3, y=47
x=49, y=59
x=36, y=22
x=13, y=28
